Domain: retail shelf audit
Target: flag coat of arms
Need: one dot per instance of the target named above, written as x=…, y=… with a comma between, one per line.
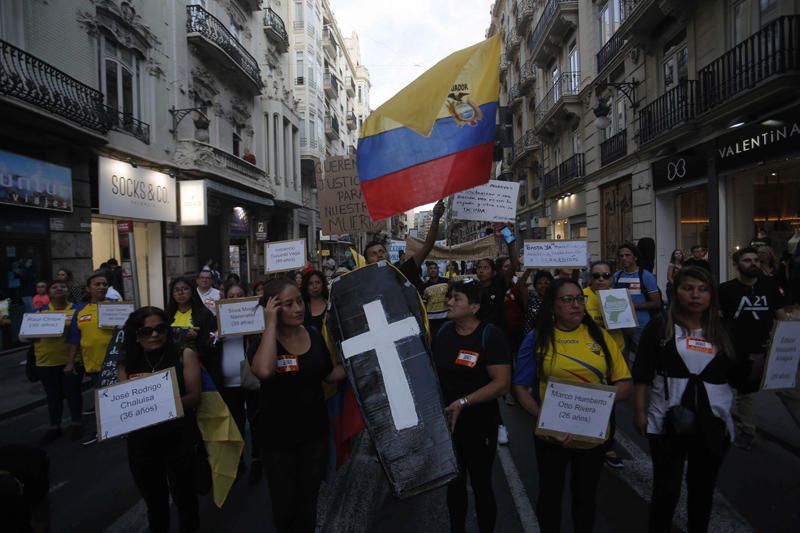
x=435, y=137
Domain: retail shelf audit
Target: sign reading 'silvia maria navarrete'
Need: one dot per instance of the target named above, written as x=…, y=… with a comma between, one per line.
x=376, y=322
x=28, y=182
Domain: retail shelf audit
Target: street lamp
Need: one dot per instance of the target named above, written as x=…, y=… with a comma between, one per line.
x=199, y=117
x=601, y=111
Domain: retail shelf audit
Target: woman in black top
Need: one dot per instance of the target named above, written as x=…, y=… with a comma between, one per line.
x=474, y=367
x=315, y=297
x=292, y=362
x=162, y=456
x=684, y=371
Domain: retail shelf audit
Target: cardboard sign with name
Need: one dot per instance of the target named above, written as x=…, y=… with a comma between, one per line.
x=555, y=254
x=114, y=314
x=495, y=201
x=240, y=316
x=42, y=325
x=581, y=410
x=282, y=256
x=617, y=308
x=780, y=369
x=342, y=209
x=137, y=404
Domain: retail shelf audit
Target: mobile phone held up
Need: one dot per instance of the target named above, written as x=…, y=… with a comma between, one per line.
x=507, y=235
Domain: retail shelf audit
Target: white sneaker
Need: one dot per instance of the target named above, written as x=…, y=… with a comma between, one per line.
x=502, y=434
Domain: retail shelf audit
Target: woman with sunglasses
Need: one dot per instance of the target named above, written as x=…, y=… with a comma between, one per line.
x=474, y=366
x=161, y=457
x=292, y=361
x=191, y=321
x=684, y=374
x=567, y=344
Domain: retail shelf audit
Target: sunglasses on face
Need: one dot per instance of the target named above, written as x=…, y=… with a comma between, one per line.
x=601, y=275
x=569, y=300
x=147, y=331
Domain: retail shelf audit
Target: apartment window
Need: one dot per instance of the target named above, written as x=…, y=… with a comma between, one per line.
x=267, y=155
x=572, y=58
x=298, y=11
x=610, y=19
x=676, y=61
x=359, y=94
x=120, y=77
x=577, y=147
x=300, y=69
x=768, y=10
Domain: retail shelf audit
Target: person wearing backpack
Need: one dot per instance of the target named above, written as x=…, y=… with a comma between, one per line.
x=473, y=362
x=642, y=288
x=684, y=376
x=567, y=344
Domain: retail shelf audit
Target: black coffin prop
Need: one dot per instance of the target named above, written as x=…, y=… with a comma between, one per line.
x=376, y=322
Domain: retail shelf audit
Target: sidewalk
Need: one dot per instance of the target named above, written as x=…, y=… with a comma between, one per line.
x=18, y=394
x=774, y=422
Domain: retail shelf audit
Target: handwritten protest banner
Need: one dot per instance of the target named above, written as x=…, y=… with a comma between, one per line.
x=42, y=325
x=555, y=254
x=495, y=201
x=283, y=256
x=780, y=370
x=342, y=209
x=136, y=404
x=578, y=409
x=617, y=308
x=114, y=314
x=240, y=316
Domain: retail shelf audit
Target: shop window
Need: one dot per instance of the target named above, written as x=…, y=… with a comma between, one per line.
x=693, y=222
x=120, y=77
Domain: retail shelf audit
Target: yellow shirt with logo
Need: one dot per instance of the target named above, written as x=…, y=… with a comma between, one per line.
x=594, y=308
x=182, y=320
x=85, y=333
x=53, y=351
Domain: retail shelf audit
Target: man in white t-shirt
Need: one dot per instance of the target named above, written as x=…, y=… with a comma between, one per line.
x=208, y=294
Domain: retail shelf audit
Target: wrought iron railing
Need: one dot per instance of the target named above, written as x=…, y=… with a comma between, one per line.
x=329, y=82
x=775, y=49
x=672, y=109
x=515, y=95
x=331, y=124
x=570, y=170
x=201, y=21
x=613, y=148
x=550, y=180
x=126, y=123
x=567, y=84
x=524, y=144
x=273, y=22
x=538, y=33
x=609, y=51
x=28, y=78
x=525, y=13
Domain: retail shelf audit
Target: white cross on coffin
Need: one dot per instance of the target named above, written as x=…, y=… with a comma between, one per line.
x=382, y=337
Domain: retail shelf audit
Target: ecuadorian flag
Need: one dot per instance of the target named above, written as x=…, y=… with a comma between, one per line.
x=435, y=137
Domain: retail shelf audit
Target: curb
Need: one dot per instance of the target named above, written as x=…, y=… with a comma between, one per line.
x=33, y=405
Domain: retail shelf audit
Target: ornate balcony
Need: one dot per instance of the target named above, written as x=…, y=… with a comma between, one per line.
x=641, y=18
x=770, y=52
x=559, y=17
x=674, y=108
x=613, y=148
x=201, y=159
x=331, y=127
x=550, y=181
x=527, y=143
x=527, y=76
x=125, y=123
x=561, y=100
x=213, y=39
x=329, y=42
x=275, y=30
x=565, y=175
x=515, y=96
x=524, y=14
x=330, y=84
x=352, y=122
x=609, y=51
x=350, y=86
x=503, y=63
x=31, y=80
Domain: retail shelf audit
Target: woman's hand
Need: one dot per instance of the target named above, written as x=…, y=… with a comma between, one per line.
x=565, y=441
x=271, y=311
x=69, y=368
x=452, y=411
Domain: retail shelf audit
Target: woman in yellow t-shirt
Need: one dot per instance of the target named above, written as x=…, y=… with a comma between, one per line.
x=567, y=344
x=191, y=321
x=52, y=355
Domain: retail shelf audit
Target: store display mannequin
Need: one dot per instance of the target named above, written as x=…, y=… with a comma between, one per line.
x=794, y=240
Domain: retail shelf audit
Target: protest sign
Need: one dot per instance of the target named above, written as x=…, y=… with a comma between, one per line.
x=466, y=251
x=240, y=316
x=108, y=372
x=495, y=201
x=283, y=256
x=578, y=409
x=114, y=314
x=555, y=254
x=136, y=404
x=341, y=206
x=617, y=308
x=780, y=370
x=42, y=325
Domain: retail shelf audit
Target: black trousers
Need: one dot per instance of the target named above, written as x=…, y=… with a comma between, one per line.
x=585, y=466
x=161, y=459
x=294, y=477
x=669, y=455
x=476, y=445
x=243, y=405
x=58, y=387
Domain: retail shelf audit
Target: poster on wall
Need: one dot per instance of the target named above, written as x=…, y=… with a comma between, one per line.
x=27, y=182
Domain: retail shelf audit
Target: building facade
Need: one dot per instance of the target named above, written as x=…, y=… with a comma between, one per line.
x=670, y=120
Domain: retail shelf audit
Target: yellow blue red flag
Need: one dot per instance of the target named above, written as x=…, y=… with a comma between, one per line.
x=435, y=137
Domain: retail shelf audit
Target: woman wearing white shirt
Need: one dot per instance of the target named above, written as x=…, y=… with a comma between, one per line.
x=683, y=398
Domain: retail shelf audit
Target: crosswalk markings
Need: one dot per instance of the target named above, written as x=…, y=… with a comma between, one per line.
x=638, y=473
x=527, y=517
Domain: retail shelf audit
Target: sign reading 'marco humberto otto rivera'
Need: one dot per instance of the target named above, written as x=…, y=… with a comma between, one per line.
x=125, y=191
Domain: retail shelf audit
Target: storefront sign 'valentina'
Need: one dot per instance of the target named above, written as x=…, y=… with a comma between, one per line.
x=128, y=192
x=754, y=143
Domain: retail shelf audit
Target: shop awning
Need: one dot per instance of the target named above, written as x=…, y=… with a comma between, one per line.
x=239, y=194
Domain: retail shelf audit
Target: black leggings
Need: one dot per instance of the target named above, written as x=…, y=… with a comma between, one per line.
x=59, y=386
x=586, y=465
x=243, y=405
x=476, y=446
x=669, y=455
x=294, y=477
